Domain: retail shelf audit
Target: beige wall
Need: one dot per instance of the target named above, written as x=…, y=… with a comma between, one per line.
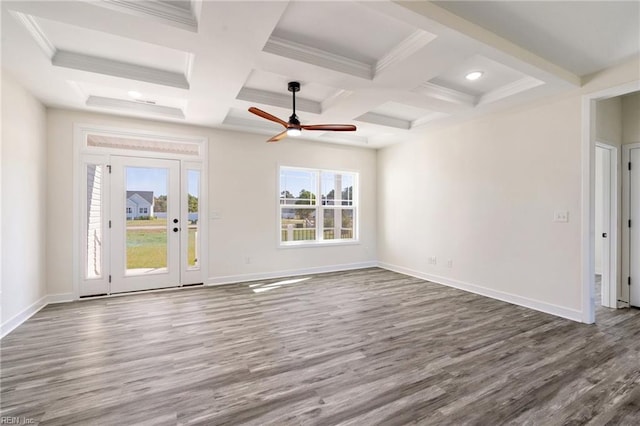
x=483, y=195
x=609, y=121
x=631, y=118
x=242, y=188
x=24, y=208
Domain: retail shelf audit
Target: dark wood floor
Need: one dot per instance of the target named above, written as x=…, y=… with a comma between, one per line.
x=360, y=348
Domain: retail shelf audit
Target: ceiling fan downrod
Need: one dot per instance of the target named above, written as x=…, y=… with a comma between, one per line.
x=294, y=87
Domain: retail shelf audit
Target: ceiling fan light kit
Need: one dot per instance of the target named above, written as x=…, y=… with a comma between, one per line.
x=293, y=126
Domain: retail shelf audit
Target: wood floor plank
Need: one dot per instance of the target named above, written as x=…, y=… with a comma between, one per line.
x=352, y=348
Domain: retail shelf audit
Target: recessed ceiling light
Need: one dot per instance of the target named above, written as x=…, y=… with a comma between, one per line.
x=474, y=75
x=134, y=94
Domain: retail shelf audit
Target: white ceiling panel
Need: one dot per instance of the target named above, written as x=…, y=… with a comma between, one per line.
x=391, y=68
x=348, y=29
x=495, y=75
x=108, y=46
x=581, y=36
x=272, y=82
x=398, y=110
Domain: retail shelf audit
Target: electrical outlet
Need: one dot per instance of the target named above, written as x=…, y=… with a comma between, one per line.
x=449, y=263
x=247, y=260
x=561, y=216
x=432, y=260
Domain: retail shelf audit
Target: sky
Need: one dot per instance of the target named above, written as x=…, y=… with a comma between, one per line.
x=155, y=179
x=294, y=181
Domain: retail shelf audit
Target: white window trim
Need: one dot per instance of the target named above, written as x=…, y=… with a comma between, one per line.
x=319, y=210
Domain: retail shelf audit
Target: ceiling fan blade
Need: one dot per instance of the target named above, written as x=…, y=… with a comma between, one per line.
x=277, y=137
x=268, y=116
x=332, y=127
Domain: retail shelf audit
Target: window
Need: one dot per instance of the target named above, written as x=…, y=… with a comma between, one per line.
x=317, y=206
x=143, y=210
x=129, y=210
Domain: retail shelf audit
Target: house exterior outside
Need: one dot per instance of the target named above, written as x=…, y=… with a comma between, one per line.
x=139, y=204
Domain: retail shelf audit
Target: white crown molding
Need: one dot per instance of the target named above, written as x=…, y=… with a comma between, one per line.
x=278, y=99
x=79, y=61
x=435, y=115
x=132, y=106
x=510, y=89
x=301, y=52
x=406, y=48
x=336, y=98
x=445, y=94
x=385, y=120
x=33, y=28
x=161, y=12
x=248, y=124
x=189, y=68
x=344, y=137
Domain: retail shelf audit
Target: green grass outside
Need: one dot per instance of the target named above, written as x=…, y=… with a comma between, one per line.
x=150, y=222
x=147, y=248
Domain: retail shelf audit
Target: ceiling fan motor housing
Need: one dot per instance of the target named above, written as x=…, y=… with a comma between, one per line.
x=294, y=86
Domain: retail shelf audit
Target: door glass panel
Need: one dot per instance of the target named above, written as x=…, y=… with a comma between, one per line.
x=146, y=216
x=93, y=267
x=193, y=188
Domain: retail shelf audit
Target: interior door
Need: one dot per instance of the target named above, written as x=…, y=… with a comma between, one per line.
x=634, y=230
x=145, y=224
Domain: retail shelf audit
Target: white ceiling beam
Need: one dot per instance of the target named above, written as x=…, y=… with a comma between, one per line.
x=120, y=69
x=133, y=106
x=473, y=31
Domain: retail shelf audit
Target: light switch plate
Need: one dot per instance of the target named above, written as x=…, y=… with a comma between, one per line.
x=561, y=216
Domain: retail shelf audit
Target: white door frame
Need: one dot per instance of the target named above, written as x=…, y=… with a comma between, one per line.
x=626, y=214
x=610, y=243
x=195, y=156
x=587, y=208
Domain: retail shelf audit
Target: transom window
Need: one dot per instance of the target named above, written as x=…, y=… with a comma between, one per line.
x=317, y=206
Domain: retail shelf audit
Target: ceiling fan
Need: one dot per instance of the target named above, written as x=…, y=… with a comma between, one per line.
x=293, y=126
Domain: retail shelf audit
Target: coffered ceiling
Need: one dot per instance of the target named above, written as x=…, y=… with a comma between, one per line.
x=393, y=69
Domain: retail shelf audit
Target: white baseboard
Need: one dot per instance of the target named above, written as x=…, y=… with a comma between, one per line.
x=60, y=298
x=13, y=323
x=560, y=311
x=231, y=279
x=572, y=314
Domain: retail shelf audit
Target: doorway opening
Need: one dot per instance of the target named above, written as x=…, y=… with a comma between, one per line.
x=616, y=282
x=138, y=207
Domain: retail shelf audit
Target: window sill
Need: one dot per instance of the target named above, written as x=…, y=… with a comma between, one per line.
x=308, y=244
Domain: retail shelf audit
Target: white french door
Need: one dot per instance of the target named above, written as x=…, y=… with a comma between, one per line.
x=145, y=248
x=140, y=224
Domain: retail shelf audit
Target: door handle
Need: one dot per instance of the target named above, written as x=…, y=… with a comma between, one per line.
x=176, y=229
x=604, y=235
x=175, y=220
